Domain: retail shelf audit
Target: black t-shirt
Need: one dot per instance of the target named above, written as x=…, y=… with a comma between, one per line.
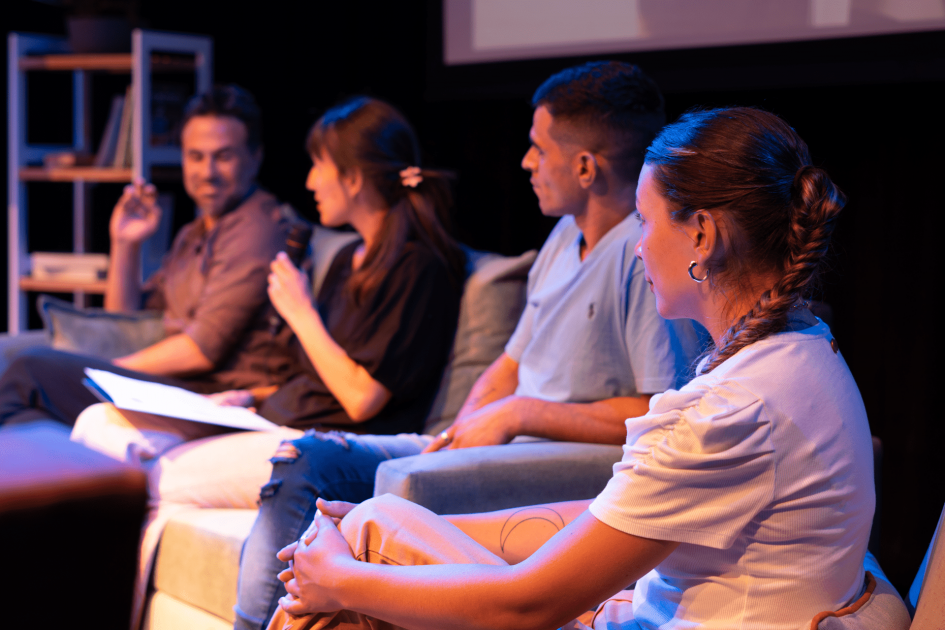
x=401, y=334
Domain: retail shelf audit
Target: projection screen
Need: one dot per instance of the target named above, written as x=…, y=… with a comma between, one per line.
x=476, y=31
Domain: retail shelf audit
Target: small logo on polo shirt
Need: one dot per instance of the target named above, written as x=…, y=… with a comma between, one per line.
x=590, y=311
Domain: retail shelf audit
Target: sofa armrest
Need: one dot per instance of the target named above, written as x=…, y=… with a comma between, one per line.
x=496, y=477
x=12, y=345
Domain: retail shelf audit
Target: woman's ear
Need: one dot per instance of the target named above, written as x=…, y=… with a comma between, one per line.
x=353, y=181
x=706, y=235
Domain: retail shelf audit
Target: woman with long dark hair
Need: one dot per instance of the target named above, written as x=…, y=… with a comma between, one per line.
x=372, y=346
x=744, y=499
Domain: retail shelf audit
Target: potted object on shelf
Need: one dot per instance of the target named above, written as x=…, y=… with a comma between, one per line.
x=99, y=26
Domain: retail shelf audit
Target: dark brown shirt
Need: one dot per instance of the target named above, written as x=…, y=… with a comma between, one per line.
x=212, y=287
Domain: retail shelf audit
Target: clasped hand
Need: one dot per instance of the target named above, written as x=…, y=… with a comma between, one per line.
x=136, y=215
x=289, y=289
x=317, y=563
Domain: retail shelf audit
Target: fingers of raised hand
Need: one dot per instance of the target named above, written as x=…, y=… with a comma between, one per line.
x=281, y=263
x=148, y=193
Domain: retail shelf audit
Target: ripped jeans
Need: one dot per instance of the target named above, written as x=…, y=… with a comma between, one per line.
x=335, y=466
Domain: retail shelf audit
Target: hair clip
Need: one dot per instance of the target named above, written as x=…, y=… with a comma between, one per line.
x=411, y=176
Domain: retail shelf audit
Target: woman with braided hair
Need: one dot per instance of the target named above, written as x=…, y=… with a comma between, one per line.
x=743, y=500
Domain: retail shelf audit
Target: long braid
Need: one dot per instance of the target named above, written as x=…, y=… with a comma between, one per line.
x=816, y=205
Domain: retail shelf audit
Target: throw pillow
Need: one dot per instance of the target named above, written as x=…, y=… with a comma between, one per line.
x=326, y=243
x=96, y=332
x=493, y=300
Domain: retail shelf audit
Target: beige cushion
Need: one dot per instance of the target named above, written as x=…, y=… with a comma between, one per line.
x=165, y=613
x=199, y=558
x=493, y=300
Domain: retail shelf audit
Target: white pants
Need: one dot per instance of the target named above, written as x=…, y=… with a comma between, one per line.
x=189, y=465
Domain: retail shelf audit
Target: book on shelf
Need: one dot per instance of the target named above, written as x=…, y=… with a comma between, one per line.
x=123, y=146
x=109, y=143
x=65, y=267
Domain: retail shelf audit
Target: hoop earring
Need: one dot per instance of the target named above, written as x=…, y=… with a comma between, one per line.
x=691, y=266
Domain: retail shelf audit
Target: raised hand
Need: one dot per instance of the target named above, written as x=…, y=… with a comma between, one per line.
x=289, y=289
x=136, y=215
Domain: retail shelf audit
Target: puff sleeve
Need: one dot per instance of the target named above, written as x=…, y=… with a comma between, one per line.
x=696, y=469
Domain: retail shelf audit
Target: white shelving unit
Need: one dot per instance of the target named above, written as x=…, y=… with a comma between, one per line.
x=151, y=51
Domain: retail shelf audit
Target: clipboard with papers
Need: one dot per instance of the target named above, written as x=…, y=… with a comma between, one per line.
x=166, y=400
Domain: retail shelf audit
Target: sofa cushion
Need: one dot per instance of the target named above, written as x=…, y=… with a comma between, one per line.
x=486, y=478
x=165, y=612
x=97, y=332
x=493, y=300
x=199, y=558
x=12, y=345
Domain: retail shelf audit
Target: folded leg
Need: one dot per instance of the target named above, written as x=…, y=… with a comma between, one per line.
x=391, y=530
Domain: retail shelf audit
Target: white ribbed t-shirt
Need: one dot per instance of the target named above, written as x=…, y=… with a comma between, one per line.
x=763, y=471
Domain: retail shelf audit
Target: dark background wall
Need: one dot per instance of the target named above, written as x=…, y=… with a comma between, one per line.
x=870, y=109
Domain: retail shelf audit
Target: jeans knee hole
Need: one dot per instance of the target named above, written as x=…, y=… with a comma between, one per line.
x=270, y=489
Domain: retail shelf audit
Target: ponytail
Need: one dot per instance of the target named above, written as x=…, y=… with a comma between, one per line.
x=421, y=213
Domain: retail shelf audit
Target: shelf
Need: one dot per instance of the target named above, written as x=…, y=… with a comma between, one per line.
x=178, y=57
x=57, y=286
x=73, y=173
x=107, y=62
x=104, y=174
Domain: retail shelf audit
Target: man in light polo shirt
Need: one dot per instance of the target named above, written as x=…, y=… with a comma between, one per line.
x=590, y=348
x=588, y=351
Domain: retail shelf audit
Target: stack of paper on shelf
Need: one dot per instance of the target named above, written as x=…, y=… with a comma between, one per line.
x=68, y=267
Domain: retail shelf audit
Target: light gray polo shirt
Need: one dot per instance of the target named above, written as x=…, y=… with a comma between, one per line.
x=590, y=329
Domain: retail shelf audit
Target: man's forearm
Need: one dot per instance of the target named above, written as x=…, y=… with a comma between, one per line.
x=600, y=422
x=497, y=381
x=176, y=355
x=123, y=286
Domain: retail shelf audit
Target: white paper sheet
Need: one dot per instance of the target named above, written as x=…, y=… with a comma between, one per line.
x=164, y=400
